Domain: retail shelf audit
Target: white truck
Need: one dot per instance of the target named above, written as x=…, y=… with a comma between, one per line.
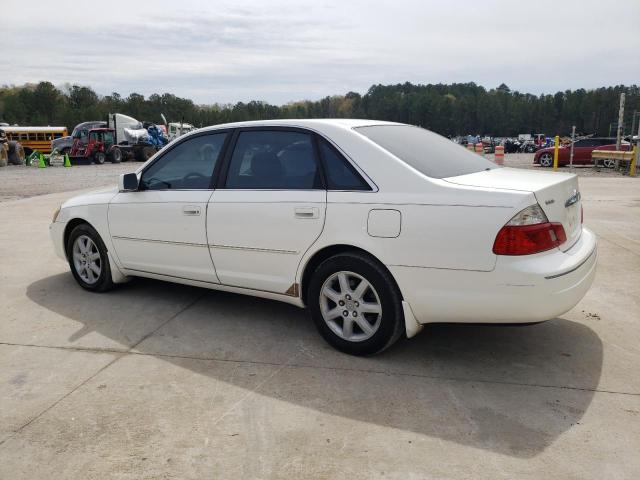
x=176, y=129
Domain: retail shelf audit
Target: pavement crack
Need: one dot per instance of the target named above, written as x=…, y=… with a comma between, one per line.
x=288, y=364
x=618, y=245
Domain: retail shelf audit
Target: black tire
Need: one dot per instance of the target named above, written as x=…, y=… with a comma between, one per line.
x=3, y=156
x=391, y=324
x=16, y=153
x=146, y=153
x=65, y=151
x=99, y=158
x=115, y=155
x=104, y=281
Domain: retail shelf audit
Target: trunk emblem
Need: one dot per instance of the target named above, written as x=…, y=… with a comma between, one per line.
x=549, y=202
x=575, y=198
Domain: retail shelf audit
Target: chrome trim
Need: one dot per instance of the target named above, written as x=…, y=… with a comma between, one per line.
x=228, y=247
x=254, y=249
x=167, y=242
x=574, y=268
x=574, y=198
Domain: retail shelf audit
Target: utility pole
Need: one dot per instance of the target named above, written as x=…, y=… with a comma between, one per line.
x=633, y=121
x=620, y=126
x=620, y=122
x=573, y=139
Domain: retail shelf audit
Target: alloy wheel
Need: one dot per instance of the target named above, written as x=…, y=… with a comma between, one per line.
x=86, y=259
x=350, y=306
x=546, y=160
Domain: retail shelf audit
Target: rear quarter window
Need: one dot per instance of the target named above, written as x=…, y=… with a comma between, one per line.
x=431, y=154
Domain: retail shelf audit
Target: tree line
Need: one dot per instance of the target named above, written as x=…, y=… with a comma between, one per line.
x=449, y=109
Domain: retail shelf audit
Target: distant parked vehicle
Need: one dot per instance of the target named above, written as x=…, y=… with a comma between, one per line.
x=140, y=140
x=528, y=146
x=35, y=138
x=177, y=129
x=581, y=152
x=10, y=151
x=63, y=144
x=98, y=146
x=511, y=146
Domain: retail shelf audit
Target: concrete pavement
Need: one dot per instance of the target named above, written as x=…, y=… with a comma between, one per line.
x=155, y=380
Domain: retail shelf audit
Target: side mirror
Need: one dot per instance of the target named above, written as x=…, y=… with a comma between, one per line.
x=128, y=182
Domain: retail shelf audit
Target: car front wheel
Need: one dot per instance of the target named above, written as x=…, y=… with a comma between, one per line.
x=355, y=304
x=88, y=259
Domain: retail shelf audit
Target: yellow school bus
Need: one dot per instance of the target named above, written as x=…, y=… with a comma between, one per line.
x=35, y=138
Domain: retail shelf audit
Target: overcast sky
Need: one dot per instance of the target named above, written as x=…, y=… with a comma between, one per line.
x=278, y=51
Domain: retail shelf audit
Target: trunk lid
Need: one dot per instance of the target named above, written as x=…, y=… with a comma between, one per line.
x=557, y=194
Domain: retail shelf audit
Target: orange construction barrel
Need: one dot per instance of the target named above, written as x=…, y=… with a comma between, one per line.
x=480, y=149
x=470, y=147
x=499, y=155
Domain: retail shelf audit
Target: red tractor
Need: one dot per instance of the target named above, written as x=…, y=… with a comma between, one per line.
x=98, y=146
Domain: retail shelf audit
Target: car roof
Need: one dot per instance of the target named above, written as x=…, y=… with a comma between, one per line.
x=346, y=123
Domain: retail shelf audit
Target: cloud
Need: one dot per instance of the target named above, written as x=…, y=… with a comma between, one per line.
x=280, y=51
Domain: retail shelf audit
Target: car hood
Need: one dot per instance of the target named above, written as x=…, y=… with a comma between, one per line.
x=96, y=197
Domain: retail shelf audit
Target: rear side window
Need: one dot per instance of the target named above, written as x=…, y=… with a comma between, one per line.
x=341, y=175
x=273, y=160
x=427, y=152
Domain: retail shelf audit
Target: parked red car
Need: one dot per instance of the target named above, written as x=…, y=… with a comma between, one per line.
x=581, y=152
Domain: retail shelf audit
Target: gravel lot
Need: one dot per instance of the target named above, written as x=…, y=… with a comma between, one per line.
x=22, y=182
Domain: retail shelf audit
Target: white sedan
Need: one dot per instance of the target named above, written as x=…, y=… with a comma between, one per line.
x=378, y=228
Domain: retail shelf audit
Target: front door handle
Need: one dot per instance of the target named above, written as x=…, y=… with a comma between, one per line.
x=307, y=212
x=191, y=210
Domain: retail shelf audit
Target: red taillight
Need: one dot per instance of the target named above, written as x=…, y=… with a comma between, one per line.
x=528, y=239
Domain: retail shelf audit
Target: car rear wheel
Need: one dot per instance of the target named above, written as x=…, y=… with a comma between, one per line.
x=88, y=259
x=355, y=304
x=99, y=158
x=546, y=160
x=145, y=154
x=3, y=156
x=16, y=153
x=116, y=155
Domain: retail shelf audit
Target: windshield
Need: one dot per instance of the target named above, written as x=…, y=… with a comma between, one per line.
x=429, y=153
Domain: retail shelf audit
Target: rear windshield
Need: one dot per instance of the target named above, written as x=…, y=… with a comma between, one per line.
x=427, y=152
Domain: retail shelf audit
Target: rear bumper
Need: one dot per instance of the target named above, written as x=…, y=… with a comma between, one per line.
x=525, y=289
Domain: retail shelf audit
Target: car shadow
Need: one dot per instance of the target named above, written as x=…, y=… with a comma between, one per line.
x=512, y=390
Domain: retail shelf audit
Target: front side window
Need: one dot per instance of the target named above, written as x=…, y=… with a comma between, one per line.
x=187, y=166
x=273, y=160
x=431, y=154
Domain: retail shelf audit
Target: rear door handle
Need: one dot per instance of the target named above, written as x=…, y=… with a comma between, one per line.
x=306, y=212
x=191, y=210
